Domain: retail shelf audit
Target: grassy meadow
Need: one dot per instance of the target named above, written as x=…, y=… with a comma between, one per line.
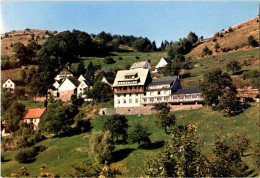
x=128, y=158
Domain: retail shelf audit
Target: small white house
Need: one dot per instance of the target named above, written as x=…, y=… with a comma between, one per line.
x=67, y=88
x=108, y=80
x=83, y=86
x=9, y=84
x=33, y=117
x=162, y=63
x=141, y=65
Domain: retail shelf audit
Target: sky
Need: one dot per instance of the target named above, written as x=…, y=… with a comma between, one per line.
x=161, y=20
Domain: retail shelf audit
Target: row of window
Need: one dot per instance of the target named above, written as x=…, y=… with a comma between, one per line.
x=128, y=88
x=130, y=101
x=124, y=95
x=175, y=97
x=127, y=82
x=11, y=85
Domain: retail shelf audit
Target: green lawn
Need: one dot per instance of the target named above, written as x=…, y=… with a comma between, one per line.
x=131, y=160
x=128, y=58
x=32, y=104
x=209, y=63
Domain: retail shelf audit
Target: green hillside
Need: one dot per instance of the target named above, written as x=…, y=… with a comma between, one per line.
x=129, y=159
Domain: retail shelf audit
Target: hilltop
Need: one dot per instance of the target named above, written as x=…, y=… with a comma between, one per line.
x=23, y=36
x=230, y=40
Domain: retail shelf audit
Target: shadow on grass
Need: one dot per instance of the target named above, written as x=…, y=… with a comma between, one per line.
x=122, y=154
x=155, y=145
x=5, y=160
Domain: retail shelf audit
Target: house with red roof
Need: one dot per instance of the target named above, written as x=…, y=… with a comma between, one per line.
x=33, y=116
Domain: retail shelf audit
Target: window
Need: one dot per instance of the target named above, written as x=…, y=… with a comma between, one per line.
x=130, y=94
x=175, y=97
x=145, y=99
x=144, y=93
x=124, y=95
x=181, y=96
x=136, y=88
x=124, y=101
x=165, y=92
x=130, y=100
x=136, y=94
x=151, y=99
x=159, y=92
x=194, y=96
x=118, y=101
x=5, y=85
x=11, y=85
x=82, y=85
x=166, y=98
x=8, y=81
x=187, y=97
x=159, y=99
x=136, y=100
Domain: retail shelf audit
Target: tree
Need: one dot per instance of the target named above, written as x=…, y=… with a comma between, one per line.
x=192, y=37
x=214, y=85
x=251, y=41
x=117, y=125
x=216, y=47
x=206, y=51
x=233, y=66
x=20, y=51
x=227, y=161
x=30, y=75
x=100, y=91
x=76, y=101
x=109, y=60
x=158, y=107
x=180, y=157
x=81, y=69
x=14, y=114
x=58, y=118
x=140, y=135
x=101, y=146
x=229, y=103
x=154, y=48
x=165, y=119
x=22, y=75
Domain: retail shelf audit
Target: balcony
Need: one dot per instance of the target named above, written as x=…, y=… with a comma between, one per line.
x=162, y=99
x=129, y=91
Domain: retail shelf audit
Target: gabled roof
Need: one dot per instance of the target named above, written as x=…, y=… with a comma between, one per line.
x=141, y=76
x=138, y=65
x=160, y=81
x=65, y=71
x=9, y=80
x=74, y=81
x=186, y=91
x=110, y=80
x=167, y=60
x=34, y=113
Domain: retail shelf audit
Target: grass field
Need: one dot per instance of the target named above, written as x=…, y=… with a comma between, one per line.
x=32, y=104
x=129, y=159
x=128, y=59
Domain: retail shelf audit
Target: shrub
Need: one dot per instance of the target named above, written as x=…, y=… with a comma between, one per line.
x=36, y=138
x=136, y=57
x=251, y=41
x=214, y=39
x=23, y=142
x=206, y=51
x=25, y=155
x=119, y=58
x=109, y=60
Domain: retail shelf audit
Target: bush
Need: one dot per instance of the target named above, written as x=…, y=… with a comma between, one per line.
x=136, y=57
x=37, y=138
x=24, y=155
x=23, y=142
x=206, y=51
x=109, y=60
x=251, y=41
x=119, y=58
x=214, y=39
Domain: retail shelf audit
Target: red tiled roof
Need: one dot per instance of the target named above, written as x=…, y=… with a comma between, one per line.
x=34, y=113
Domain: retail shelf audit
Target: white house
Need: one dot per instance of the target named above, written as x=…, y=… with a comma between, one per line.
x=72, y=86
x=33, y=117
x=65, y=73
x=9, y=84
x=129, y=87
x=162, y=63
x=141, y=65
x=108, y=80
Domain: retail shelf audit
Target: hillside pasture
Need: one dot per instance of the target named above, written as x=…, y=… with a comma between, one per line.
x=129, y=159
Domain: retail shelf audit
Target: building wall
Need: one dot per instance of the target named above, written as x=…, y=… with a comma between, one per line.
x=162, y=63
x=66, y=85
x=58, y=77
x=127, y=99
x=66, y=95
x=82, y=88
x=145, y=110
